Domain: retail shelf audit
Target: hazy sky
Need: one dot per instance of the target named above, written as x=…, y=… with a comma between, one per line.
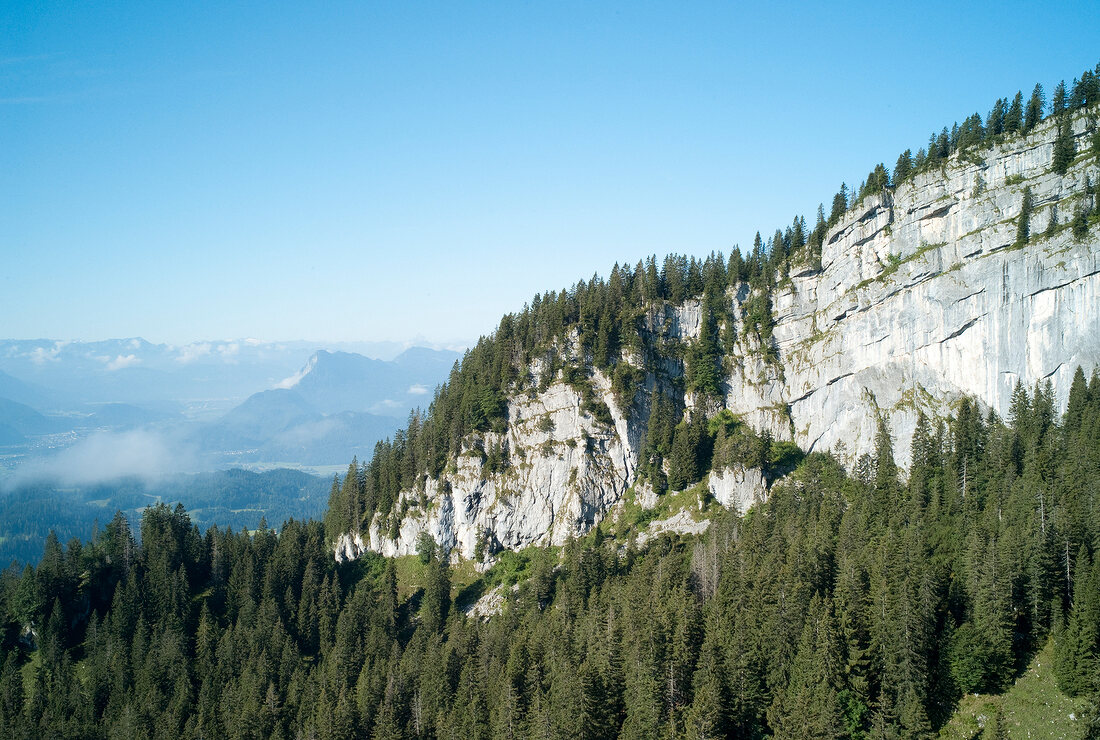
x=378, y=170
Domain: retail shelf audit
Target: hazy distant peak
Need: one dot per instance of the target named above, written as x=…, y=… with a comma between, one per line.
x=296, y=378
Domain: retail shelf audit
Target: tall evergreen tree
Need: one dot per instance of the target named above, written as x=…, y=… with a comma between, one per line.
x=1014, y=116
x=1058, y=102
x=1023, y=222
x=1064, y=150
x=1035, y=105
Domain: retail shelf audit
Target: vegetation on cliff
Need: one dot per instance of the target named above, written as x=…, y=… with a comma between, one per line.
x=610, y=324
x=846, y=606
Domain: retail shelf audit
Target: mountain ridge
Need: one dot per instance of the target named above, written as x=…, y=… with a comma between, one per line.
x=918, y=296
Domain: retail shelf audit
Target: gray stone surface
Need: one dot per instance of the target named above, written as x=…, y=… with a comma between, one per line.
x=921, y=299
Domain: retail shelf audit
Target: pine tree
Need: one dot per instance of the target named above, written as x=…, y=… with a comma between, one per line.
x=1014, y=116
x=840, y=205
x=436, y=599
x=708, y=715
x=886, y=469
x=1052, y=222
x=1077, y=654
x=1058, y=102
x=995, y=122
x=1080, y=225
x=903, y=167
x=1035, y=104
x=810, y=705
x=1023, y=223
x=1064, y=151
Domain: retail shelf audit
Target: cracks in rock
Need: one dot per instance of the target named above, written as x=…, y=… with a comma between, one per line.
x=870, y=214
x=1055, y=370
x=942, y=211
x=970, y=295
x=960, y=330
x=1065, y=284
x=869, y=238
x=828, y=383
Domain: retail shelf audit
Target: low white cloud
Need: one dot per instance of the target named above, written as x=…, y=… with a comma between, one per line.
x=191, y=352
x=107, y=456
x=417, y=390
x=42, y=355
x=123, y=361
x=296, y=378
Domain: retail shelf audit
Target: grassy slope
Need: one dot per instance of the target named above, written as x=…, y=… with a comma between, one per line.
x=1032, y=708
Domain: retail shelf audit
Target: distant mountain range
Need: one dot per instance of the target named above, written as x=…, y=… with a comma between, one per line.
x=233, y=402
x=200, y=378
x=336, y=407
x=339, y=381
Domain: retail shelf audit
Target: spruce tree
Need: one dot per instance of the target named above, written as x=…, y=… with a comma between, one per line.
x=1077, y=654
x=1064, y=150
x=1058, y=102
x=995, y=122
x=1052, y=222
x=709, y=712
x=1014, y=116
x=1080, y=225
x=840, y=205
x=1023, y=223
x=1034, y=113
x=903, y=167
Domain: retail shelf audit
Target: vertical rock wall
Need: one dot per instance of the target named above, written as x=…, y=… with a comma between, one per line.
x=922, y=297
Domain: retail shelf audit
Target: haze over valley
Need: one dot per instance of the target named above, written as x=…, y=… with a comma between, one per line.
x=125, y=423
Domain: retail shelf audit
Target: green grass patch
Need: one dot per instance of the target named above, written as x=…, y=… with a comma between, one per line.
x=410, y=571
x=633, y=518
x=1032, y=708
x=511, y=567
x=463, y=574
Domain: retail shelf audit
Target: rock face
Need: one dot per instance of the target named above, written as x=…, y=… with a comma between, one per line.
x=565, y=471
x=738, y=488
x=922, y=296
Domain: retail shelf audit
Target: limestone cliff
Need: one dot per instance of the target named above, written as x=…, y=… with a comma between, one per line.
x=921, y=297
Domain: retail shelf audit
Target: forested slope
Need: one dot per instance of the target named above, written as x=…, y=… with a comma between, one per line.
x=972, y=268
x=844, y=606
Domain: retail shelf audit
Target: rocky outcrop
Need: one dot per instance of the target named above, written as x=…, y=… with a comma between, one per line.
x=565, y=470
x=682, y=522
x=738, y=488
x=921, y=297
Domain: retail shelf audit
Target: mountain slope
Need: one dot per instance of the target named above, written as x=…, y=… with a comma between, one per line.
x=279, y=425
x=336, y=407
x=26, y=393
x=344, y=381
x=25, y=420
x=918, y=295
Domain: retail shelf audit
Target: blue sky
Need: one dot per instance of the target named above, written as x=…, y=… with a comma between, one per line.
x=368, y=171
